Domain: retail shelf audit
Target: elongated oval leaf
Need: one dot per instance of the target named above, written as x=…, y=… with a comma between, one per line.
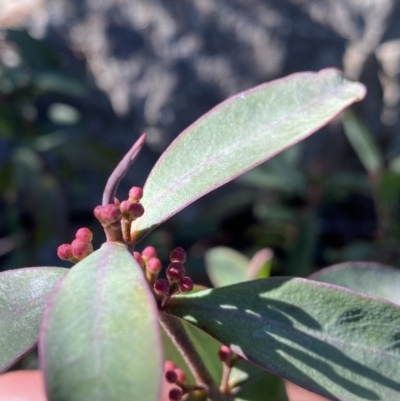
x=23, y=296
x=225, y=266
x=367, y=277
x=239, y=134
x=100, y=337
x=328, y=339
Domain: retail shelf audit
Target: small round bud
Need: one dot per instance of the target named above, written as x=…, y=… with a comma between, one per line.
x=135, y=193
x=225, y=353
x=139, y=259
x=124, y=207
x=169, y=365
x=175, y=271
x=110, y=214
x=64, y=252
x=81, y=249
x=178, y=255
x=181, y=375
x=149, y=252
x=98, y=213
x=161, y=287
x=175, y=394
x=154, y=265
x=171, y=376
x=186, y=284
x=84, y=234
x=136, y=210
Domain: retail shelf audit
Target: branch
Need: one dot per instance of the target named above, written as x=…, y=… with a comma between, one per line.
x=120, y=171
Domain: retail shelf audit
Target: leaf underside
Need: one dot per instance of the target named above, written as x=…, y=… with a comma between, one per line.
x=100, y=336
x=239, y=134
x=330, y=340
x=23, y=296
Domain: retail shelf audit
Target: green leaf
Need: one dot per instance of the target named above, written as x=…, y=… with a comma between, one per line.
x=23, y=296
x=363, y=143
x=225, y=266
x=260, y=264
x=239, y=134
x=367, y=277
x=328, y=339
x=100, y=335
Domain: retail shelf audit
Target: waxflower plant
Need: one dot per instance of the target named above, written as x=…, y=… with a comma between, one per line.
x=110, y=329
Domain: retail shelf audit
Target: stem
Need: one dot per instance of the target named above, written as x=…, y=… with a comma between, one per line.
x=176, y=331
x=120, y=171
x=226, y=372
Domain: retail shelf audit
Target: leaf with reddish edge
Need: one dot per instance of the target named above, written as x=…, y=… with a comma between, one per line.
x=100, y=338
x=328, y=339
x=370, y=278
x=239, y=134
x=23, y=296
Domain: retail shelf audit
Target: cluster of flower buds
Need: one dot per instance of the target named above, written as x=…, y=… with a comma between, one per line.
x=176, y=281
x=149, y=262
x=119, y=215
x=174, y=375
x=79, y=248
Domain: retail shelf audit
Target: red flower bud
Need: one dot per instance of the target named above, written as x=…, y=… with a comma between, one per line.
x=171, y=376
x=175, y=271
x=149, y=252
x=135, y=193
x=81, y=249
x=162, y=287
x=181, y=375
x=154, y=265
x=139, y=259
x=175, y=394
x=186, y=284
x=124, y=207
x=178, y=255
x=84, y=234
x=136, y=210
x=64, y=252
x=110, y=214
x=98, y=213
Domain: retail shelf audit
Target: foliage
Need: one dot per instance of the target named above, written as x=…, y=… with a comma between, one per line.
x=99, y=336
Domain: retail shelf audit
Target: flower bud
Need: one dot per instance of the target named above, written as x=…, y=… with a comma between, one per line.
x=154, y=265
x=175, y=271
x=98, y=213
x=171, y=376
x=181, y=375
x=81, y=249
x=110, y=214
x=162, y=287
x=149, y=252
x=124, y=208
x=186, y=284
x=225, y=353
x=178, y=255
x=64, y=252
x=84, y=234
x=139, y=259
x=135, y=193
x=175, y=394
x=169, y=365
x=136, y=210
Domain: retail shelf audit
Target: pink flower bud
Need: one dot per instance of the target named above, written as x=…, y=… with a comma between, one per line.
x=162, y=287
x=175, y=394
x=175, y=271
x=110, y=214
x=154, y=265
x=98, y=210
x=225, y=353
x=135, y=193
x=139, y=259
x=178, y=255
x=136, y=210
x=149, y=252
x=64, y=252
x=84, y=234
x=171, y=376
x=169, y=365
x=81, y=249
x=186, y=284
x=124, y=207
x=181, y=375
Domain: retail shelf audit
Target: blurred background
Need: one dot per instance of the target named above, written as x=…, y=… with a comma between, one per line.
x=80, y=80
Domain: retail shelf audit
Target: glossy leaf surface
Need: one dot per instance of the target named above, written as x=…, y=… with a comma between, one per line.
x=328, y=339
x=23, y=296
x=367, y=277
x=100, y=336
x=239, y=134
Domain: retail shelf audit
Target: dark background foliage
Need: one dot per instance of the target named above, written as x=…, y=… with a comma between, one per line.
x=80, y=80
